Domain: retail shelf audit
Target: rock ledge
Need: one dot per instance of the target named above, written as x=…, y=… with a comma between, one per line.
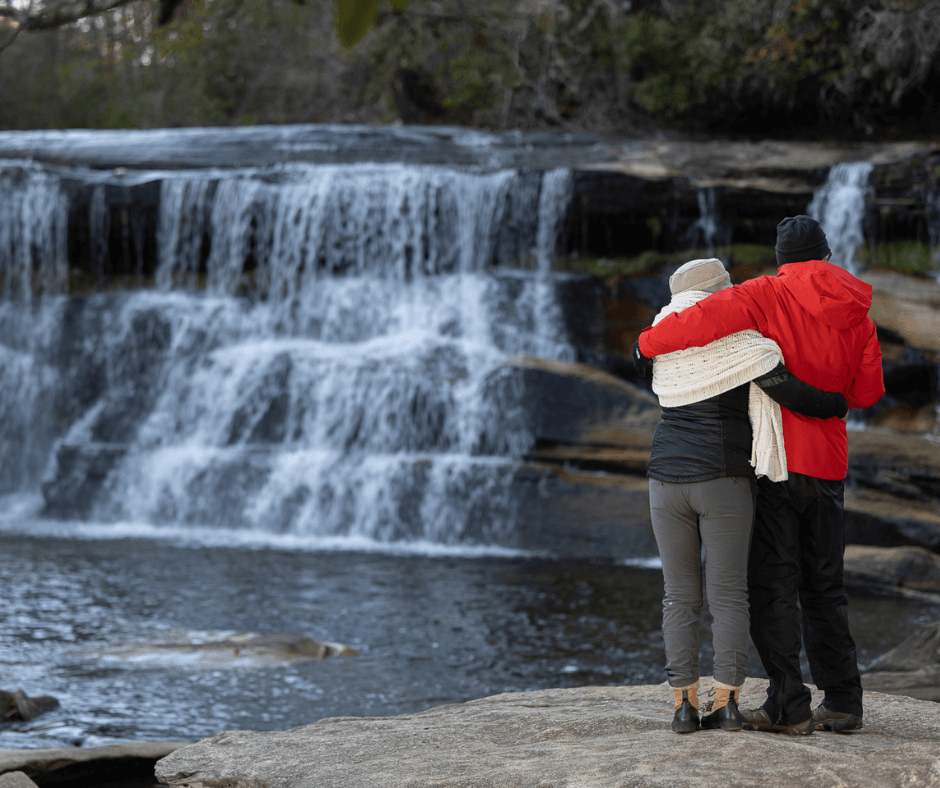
x=592, y=737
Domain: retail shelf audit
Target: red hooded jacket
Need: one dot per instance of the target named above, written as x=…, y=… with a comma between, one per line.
x=818, y=314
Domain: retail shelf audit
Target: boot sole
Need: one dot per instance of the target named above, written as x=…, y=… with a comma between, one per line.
x=789, y=730
x=840, y=727
x=727, y=725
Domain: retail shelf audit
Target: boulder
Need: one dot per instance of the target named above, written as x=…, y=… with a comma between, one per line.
x=17, y=706
x=132, y=762
x=592, y=737
x=223, y=651
x=906, y=304
x=912, y=386
x=906, y=466
x=912, y=668
x=893, y=567
x=571, y=414
x=884, y=520
x=571, y=513
x=581, y=491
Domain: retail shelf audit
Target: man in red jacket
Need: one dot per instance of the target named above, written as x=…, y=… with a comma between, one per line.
x=818, y=314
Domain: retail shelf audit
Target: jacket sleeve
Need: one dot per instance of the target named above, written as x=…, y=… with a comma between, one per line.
x=725, y=312
x=784, y=388
x=868, y=383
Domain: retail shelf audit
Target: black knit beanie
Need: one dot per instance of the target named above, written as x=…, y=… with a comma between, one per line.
x=800, y=238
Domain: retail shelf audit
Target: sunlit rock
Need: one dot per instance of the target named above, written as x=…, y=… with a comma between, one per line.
x=593, y=737
x=220, y=651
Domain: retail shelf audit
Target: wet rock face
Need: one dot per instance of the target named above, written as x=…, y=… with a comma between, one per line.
x=906, y=466
x=892, y=489
x=80, y=472
x=113, y=227
x=906, y=311
x=628, y=196
x=888, y=568
x=912, y=668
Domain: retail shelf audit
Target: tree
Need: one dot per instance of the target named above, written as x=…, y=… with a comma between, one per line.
x=354, y=18
x=619, y=66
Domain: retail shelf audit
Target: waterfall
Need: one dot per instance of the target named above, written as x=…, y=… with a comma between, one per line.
x=932, y=215
x=330, y=378
x=839, y=207
x=706, y=230
x=33, y=228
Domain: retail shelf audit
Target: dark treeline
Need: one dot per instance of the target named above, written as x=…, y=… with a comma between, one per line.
x=848, y=68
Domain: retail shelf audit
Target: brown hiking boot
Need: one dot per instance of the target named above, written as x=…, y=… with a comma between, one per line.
x=836, y=721
x=759, y=720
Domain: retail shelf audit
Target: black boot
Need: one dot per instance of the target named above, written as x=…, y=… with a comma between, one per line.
x=686, y=716
x=726, y=716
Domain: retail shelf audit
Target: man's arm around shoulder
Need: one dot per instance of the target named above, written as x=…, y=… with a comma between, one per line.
x=725, y=312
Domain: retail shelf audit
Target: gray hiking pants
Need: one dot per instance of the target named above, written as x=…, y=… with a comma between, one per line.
x=719, y=516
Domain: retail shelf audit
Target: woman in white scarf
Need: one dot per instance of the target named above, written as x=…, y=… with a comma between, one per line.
x=721, y=426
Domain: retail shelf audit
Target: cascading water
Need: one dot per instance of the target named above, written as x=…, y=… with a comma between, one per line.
x=705, y=231
x=933, y=230
x=346, y=397
x=33, y=226
x=839, y=207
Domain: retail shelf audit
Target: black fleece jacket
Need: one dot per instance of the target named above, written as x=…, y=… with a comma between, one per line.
x=712, y=438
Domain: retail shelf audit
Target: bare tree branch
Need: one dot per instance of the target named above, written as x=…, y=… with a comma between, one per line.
x=53, y=15
x=11, y=39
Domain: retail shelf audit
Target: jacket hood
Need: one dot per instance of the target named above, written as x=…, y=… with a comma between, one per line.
x=830, y=294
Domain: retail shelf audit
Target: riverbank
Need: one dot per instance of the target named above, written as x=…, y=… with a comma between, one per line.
x=592, y=737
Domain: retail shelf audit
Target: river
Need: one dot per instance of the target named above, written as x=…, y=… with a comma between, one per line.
x=302, y=425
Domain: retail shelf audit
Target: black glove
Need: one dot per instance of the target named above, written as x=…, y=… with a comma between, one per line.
x=641, y=363
x=843, y=406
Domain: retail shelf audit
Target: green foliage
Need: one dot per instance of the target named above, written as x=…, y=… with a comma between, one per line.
x=355, y=18
x=908, y=257
x=643, y=264
x=655, y=51
x=735, y=256
x=746, y=255
x=595, y=64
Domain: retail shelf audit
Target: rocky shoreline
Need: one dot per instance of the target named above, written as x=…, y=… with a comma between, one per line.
x=593, y=737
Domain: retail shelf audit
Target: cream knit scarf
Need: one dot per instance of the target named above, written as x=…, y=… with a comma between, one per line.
x=697, y=373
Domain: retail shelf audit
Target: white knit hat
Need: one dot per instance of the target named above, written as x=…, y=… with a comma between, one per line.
x=708, y=275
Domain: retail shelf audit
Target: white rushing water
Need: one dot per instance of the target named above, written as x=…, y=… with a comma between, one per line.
x=839, y=207
x=348, y=397
x=706, y=231
x=33, y=227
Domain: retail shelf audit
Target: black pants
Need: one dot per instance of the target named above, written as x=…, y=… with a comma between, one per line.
x=795, y=576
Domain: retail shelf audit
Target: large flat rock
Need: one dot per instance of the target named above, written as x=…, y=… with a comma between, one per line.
x=590, y=737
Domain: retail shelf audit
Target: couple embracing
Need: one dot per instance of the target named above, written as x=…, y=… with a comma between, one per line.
x=748, y=463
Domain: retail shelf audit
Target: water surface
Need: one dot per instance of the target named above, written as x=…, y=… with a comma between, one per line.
x=431, y=629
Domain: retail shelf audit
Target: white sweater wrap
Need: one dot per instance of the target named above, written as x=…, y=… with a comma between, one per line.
x=698, y=373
